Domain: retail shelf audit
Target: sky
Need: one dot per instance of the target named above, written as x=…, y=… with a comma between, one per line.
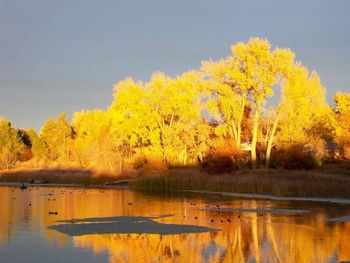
x=66, y=55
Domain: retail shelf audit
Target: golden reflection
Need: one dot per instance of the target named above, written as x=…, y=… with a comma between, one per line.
x=243, y=236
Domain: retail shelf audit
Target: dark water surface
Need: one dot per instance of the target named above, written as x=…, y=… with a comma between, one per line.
x=55, y=224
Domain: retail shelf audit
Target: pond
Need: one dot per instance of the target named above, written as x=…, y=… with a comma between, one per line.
x=61, y=224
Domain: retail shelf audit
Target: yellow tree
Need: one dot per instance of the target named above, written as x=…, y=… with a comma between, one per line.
x=228, y=98
x=160, y=117
x=283, y=60
x=58, y=137
x=303, y=104
x=176, y=106
x=131, y=115
x=255, y=62
x=38, y=146
x=342, y=127
x=94, y=144
x=10, y=145
x=305, y=114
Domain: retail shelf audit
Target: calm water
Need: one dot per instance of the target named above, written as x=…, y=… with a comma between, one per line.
x=257, y=231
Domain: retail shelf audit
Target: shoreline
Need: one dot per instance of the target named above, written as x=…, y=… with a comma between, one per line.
x=17, y=184
x=345, y=201
x=330, y=182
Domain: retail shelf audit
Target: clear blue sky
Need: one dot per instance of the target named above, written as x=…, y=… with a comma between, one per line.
x=65, y=55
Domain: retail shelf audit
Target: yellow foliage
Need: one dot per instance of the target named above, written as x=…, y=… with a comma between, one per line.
x=342, y=126
x=178, y=118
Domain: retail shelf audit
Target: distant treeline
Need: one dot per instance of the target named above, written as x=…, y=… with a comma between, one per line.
x=217, y=117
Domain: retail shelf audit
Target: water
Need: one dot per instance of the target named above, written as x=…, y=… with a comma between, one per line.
x=249, y=230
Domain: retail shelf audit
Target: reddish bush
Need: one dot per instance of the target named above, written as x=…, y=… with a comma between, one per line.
x=298, y=156
x=154, y=164
x=224, y=157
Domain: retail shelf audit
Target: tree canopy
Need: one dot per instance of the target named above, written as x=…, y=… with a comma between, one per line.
x=224, y=107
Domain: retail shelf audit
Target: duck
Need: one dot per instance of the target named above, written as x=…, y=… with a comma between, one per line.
x=53, y=213
x=23, y=186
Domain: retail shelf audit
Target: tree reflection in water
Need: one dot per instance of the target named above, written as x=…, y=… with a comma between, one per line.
x=245, y=237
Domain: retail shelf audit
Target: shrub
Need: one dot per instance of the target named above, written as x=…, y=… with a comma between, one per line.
x=346, y=151
x=139, y=161
x=154, y=164
x=299, y=156
x=224, y=157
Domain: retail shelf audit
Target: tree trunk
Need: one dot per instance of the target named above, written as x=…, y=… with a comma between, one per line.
x=234, y=131
x=120, y=162
x=239, y=131
x=184, y=160
x=239, y=125
x=255, y=135
x=270, y=142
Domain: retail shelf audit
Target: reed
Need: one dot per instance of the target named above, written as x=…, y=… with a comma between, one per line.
x=58, y=176
x=333, y=181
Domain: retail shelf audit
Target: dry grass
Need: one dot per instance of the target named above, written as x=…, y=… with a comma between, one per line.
x=60, y=176
x=331, y=181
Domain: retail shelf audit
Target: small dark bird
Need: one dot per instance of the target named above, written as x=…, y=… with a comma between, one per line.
x=195, y=217
x=228, y=220
x=23, y=187
x=222, y=221
x=212, y=220
x=130, y=203
x=30, y=204
x=184, y=216
x=53, y=213
x=239, y=216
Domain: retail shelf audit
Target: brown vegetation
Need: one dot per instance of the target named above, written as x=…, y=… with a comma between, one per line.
x=61, y=176
x=331, y=181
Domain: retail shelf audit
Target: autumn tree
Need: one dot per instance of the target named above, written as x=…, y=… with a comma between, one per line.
x=38, y=146
x=95, y=146
x=247, y=76
x=342, y=126
x=161, y=117
x=304, y=104
x=283, y=60
x=10, y=145
x=228, y=96
x=255, y=62
x=58, y=137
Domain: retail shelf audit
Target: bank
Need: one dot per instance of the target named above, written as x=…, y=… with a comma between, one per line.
x=330, y=181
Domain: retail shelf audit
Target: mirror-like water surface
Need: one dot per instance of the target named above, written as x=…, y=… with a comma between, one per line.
x=56, y=224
